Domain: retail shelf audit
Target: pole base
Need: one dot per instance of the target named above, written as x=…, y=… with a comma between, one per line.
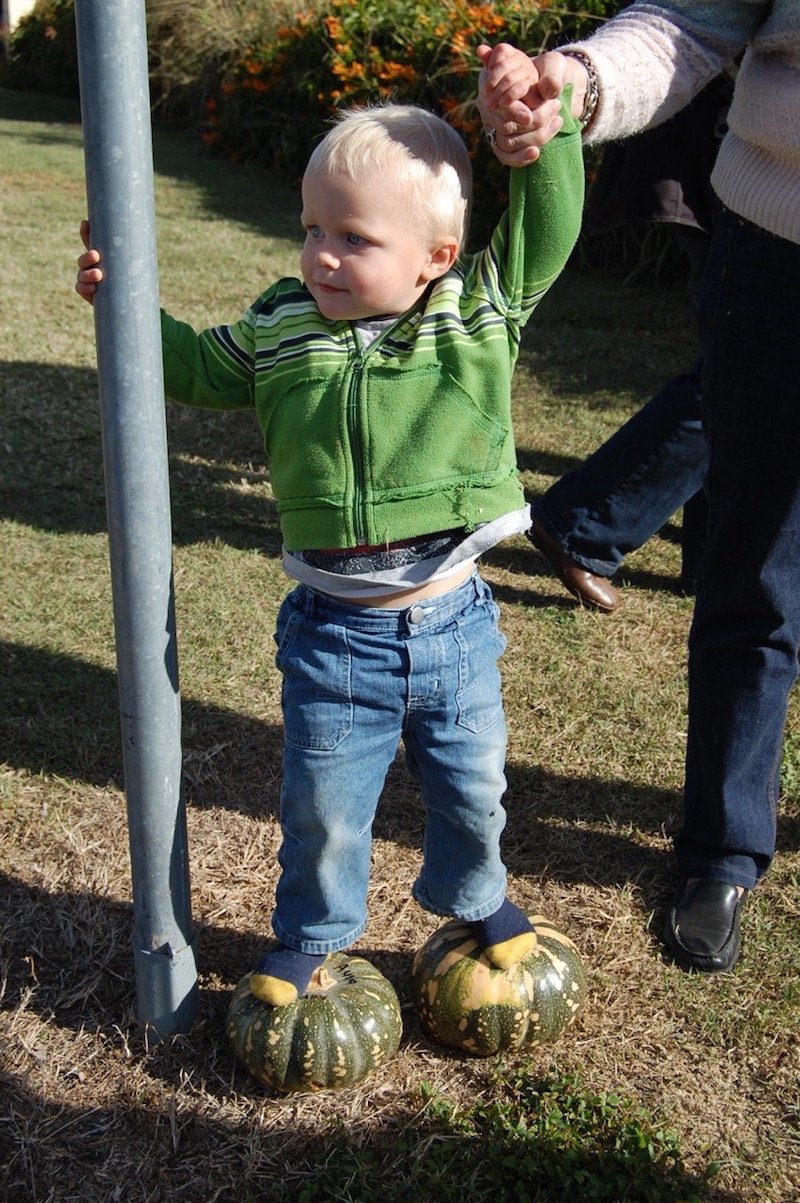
x=166, y=990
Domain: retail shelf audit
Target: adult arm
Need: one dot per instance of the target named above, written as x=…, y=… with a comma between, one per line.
x=650, y=60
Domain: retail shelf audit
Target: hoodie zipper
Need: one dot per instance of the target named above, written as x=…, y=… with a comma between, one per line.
x=354, y=426
x=356, y=449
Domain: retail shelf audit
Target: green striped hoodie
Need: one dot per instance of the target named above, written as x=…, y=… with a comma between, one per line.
x=412, y=434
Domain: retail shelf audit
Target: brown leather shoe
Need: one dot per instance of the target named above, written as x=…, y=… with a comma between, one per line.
x=590, y=590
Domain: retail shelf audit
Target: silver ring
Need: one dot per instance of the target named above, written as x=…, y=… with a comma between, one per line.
x=490, y=135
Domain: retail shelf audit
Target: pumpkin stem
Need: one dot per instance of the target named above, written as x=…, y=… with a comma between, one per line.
x=321, y=981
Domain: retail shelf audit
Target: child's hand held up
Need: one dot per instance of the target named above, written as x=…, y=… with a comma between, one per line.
x=515, y=102
x=89, y=274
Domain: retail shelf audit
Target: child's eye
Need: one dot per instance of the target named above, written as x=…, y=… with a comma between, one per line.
x=314, y=231
x=354, y=240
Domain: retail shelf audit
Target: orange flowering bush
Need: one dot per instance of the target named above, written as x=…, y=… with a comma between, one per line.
x=263, y=77
x=276, y=98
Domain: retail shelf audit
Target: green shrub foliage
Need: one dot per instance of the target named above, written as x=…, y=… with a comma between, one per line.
x=42, y=53
x=260, y=81
x=277, y=97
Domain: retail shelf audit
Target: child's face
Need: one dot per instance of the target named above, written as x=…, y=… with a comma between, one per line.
x=362, y=256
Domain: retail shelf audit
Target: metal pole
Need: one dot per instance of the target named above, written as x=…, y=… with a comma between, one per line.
x=112, y=61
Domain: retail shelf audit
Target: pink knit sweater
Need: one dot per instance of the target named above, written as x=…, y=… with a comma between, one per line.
x=652, y=58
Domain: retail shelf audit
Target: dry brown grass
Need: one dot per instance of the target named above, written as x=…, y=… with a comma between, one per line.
x=596, y=713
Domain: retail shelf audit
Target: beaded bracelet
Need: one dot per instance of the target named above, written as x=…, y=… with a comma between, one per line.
x=592, y=86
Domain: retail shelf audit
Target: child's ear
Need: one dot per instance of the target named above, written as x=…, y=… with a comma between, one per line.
x=442, y=258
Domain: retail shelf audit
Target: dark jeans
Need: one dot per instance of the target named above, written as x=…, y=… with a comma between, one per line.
x=626, y=490
x=743, y=647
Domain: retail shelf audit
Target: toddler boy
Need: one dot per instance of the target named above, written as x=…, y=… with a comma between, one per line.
x=381, y=382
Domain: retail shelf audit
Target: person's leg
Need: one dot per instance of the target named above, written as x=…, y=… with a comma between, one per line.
x=693, y=540
x=455, y=737
x=743, y=645
x=343, y=703
x=630, y=486
x=622, y=494
x=696, y=244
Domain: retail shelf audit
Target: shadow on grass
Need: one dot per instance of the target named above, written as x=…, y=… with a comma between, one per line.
x=244, y=193
x=53, y=464
x=372, y=1158
x=53, y=475
x=36, y=106
x=67, y=960
x=71, y=953
x=59, y=716
x=545, y=590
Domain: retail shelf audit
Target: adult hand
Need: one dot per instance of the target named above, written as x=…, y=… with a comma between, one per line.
x=556, y=70
x=523, y=127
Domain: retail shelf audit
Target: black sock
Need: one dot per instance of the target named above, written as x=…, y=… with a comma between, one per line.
x=504, y=937
x=282, y=975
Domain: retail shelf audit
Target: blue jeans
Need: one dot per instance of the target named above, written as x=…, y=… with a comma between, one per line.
x=356, y=681
x=655, y=463
x=745, y=635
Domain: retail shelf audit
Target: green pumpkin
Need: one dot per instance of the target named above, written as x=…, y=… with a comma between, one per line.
x=347, y=1023
x=465, y=1002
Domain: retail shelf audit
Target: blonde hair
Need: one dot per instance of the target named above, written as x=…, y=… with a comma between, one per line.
x=429, y=153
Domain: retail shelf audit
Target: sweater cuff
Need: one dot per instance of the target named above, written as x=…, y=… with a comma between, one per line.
x=647, y=69
x=606, y=121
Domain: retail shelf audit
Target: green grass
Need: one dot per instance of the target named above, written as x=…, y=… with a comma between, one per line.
x=670, y=1087
x=532, y=1138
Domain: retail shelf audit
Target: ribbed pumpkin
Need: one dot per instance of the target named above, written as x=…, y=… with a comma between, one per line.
x=347, y=1024
x=464, y=1002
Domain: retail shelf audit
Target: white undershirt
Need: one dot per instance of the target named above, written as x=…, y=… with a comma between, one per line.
x=410, y=576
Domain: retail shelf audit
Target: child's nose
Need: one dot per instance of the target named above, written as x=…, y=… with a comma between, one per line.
x=326, y=257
